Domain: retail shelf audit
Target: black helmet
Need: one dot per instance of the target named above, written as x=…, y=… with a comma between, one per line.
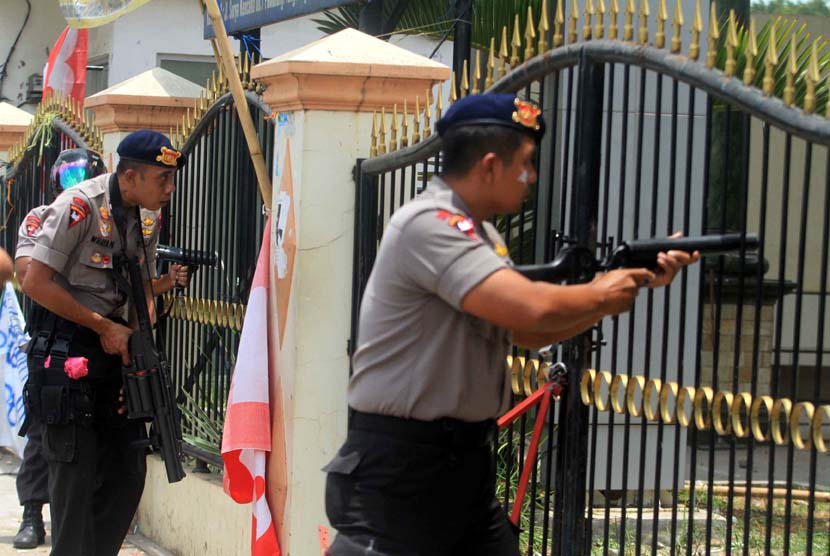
x=74, y=166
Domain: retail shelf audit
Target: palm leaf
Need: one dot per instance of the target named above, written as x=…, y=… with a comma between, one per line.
x=436, y=18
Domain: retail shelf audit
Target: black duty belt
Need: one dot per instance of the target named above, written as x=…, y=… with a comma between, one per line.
x=445, y=431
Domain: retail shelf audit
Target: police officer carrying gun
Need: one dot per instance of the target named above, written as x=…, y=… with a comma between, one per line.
x=70, y=168
x=95, y=455
x=440, y=312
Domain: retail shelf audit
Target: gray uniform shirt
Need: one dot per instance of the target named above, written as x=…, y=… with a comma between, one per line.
x=28, y=231
x=419, y=356
x=78, y=239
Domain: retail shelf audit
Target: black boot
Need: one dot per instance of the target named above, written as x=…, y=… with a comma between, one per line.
x=31, y=533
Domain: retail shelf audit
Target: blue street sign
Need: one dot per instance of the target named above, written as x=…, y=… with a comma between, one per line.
x=244, y=15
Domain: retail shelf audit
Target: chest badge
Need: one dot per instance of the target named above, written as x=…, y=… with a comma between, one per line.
x=461, y=223
x=105, y=228
x=96, y=258
x=78, y=211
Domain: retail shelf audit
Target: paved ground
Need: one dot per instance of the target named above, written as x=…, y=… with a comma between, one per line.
x=10, y=518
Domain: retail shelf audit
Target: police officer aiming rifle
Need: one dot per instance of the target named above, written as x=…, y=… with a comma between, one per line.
x=440, y=313
x=96, y=473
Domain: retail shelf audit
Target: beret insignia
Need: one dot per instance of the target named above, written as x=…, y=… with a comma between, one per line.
x=33, y=224
x=78, y=211
x=168, y=157
x=461, y=223
x=526, y=114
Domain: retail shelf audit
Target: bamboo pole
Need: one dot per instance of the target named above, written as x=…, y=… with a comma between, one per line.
x=226, y=60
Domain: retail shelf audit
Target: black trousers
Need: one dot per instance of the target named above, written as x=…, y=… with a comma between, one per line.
x=33, y=475
x=96, y=469
x=391, y=494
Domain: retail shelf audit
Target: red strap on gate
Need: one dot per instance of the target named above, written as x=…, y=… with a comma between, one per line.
x=545, y=392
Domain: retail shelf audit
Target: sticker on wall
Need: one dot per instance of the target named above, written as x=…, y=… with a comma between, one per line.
x=285, y=239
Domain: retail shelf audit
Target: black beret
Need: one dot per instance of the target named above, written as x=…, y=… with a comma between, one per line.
x=494, y=109
x=150, y=147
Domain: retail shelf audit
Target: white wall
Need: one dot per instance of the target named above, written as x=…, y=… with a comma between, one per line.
x=42, y=30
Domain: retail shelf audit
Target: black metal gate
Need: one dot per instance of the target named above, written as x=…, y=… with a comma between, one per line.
x=699, y=422
x=216, y=209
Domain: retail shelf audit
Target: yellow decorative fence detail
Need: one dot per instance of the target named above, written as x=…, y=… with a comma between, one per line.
x=205, y=311
x=728, y=413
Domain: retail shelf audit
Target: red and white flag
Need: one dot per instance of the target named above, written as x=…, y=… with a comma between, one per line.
x=247, y=434
x=65, y=70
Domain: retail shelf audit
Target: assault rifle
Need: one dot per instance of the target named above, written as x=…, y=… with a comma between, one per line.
x=147, y=386
x=574, y=263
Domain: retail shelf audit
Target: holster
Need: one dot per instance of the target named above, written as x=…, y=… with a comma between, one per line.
x=50, y=395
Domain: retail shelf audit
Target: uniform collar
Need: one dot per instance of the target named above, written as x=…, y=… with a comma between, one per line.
x=443, y=188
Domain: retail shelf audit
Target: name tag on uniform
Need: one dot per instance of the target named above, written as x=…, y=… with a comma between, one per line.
x=108, y=243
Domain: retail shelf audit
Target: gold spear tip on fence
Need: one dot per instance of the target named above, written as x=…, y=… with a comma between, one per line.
x=645, y=11
x=503, y=52
x=574, y=18
x=662, y=17
x=613, y=10
x=599, y=26
x=439, y=105
x=750, y=53
x=530, y=35
x=465, y=82
x=678, y=26
x=393, y=136
x=491, y=64
x=416, y=121
x=792, y=69
x=586, y=26
x=405, y=126
x=558, y=23
x=453, y=90
x=427, y=124
x=714, y=35
x=477, y=78
x=812, y=77
x=628, y=28
x=731, y=43
x=382, y=131
x=771, y=61
x=373, y=149
x=516, y=43
x=544, y=27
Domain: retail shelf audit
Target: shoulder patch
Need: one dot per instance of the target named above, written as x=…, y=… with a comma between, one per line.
x=459, y=222
x=33, y=224
x=78, y=211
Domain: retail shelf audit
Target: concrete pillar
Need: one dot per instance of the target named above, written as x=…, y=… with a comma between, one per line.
x=156, y=99
x=323, y=96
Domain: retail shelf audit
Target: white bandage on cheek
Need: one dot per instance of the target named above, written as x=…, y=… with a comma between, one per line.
x=523, y=177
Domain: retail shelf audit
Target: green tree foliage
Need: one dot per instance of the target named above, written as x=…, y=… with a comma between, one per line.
x=436, y=18
x=787, y=7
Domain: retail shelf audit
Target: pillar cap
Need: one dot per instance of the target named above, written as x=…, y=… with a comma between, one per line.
x=155, y=99
x=349, y=71
x=13, y=124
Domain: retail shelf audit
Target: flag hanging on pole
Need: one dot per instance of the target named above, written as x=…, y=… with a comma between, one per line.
x=66, y=68
x=83, y=14
x=247, y=433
